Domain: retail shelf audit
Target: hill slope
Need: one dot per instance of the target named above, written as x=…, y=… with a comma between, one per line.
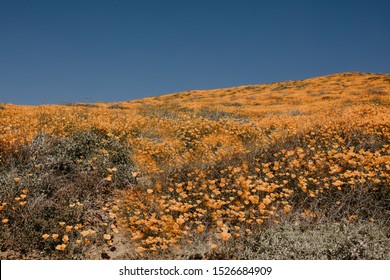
x=265, y=170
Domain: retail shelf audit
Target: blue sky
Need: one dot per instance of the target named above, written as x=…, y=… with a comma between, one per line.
x=56, y=51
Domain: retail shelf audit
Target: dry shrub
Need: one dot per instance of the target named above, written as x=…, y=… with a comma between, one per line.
x=61, y=181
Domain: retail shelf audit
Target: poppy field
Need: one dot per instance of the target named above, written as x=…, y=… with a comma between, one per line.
x=288, y=170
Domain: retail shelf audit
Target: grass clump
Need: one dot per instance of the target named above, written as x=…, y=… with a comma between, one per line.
x=217, y=115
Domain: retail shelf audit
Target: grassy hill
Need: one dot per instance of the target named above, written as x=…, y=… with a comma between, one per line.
x=288, y=170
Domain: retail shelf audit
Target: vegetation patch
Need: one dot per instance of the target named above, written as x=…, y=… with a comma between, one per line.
x=202, y=175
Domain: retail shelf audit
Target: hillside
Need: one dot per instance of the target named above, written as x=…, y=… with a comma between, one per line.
x=288, y=170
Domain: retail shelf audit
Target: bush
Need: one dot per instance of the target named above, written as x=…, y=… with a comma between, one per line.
x=293, y=240
x=333, y=241
x=61, y=180
x=117, y=106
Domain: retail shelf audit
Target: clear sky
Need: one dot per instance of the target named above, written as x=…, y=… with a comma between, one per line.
x=56, y=51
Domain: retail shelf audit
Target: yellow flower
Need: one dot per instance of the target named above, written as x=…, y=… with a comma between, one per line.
x=62, y=223
x=54, y=236
x=112, y=215
x=4, y=221
x=219, y=223
x=65, y=238
x=140, y=249
x=68, y=228
x=287, y=209
x=213, y=246
x=17, y=180
x=84, y=233
x=338, y=183
x=259, y=221
x=225, y=235
x=267, y=201
x=61, y=247
x=352, y=218
x=200, y=228
x=180, y=221
x=45, y=236
x=107, y=236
